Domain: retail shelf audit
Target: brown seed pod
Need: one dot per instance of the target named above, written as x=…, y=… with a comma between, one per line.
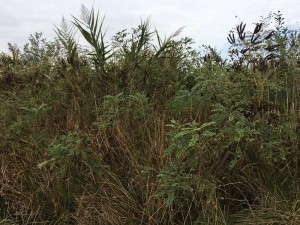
x=272, y=48
x=257, y=28
x=229, y=40
x=238, y=28
x=253, y=38
x=269, y=35
x=232, y=38
x=243, y=51
x=257, y=42
x=243, y=28
x=270, y=56
x=242, y=36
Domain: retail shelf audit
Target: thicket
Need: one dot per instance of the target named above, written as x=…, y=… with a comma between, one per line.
x=147, y=130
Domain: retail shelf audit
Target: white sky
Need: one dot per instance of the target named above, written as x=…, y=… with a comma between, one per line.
x=206, y=21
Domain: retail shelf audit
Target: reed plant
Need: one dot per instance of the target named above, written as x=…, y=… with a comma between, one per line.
x=147, y=130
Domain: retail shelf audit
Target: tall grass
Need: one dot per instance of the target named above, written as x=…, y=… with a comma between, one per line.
x=146, y=130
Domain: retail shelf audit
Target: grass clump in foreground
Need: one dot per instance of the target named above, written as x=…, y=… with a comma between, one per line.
x=147, y=130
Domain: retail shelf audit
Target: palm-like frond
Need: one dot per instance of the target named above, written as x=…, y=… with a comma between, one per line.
x=139, y=42
x=166, y=43
x=66, y=36
x=91, y=29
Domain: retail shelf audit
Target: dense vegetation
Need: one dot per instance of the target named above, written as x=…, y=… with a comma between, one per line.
x=147, y=130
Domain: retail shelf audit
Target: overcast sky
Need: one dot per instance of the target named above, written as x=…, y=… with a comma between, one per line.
x=206, y=21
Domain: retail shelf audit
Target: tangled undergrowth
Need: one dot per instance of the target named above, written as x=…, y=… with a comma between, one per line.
x=147, y=130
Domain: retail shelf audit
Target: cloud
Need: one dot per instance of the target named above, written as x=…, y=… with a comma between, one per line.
x=208, y=22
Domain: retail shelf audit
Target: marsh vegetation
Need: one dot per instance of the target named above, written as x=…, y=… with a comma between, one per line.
x=147, y=130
